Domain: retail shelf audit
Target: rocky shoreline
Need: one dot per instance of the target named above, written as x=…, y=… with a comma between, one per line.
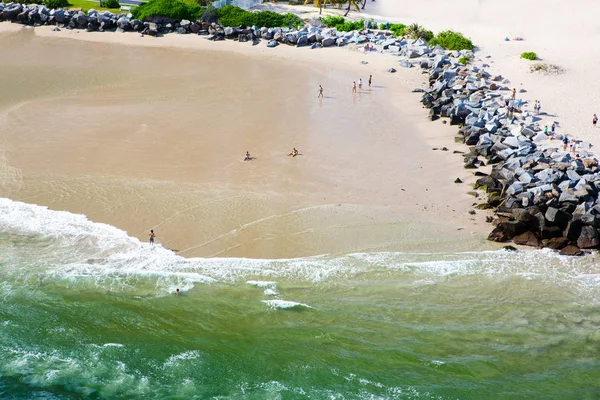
x=542, y=195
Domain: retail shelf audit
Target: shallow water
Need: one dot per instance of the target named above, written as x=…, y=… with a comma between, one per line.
x=88, y=312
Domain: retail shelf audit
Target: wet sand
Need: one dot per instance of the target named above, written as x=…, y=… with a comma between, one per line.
x=145, y=133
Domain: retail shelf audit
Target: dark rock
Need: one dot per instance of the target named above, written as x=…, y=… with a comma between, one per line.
x=527, y=239
x=588, y=238
x=391, y=70
x=506, y=230
x=557, y=217
x=571, y=250
x=458, y=180
x=556, y=243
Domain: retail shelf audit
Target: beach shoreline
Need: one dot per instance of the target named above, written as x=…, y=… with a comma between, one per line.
x=448, y=216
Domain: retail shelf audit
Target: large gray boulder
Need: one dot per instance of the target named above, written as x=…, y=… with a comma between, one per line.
x=328, y=41
x=124, y=24
x=272, y=43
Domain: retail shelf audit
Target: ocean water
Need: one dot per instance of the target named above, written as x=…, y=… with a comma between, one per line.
x=87, y=312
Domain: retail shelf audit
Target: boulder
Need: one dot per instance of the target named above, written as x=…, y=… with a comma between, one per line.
x=328, y=41
x=557, y=217
x=527, y=239
x=588, y=238
x=391, y=70
x=571, y=250
x=302, y=41
x=556, y=243
x=506, y=230
x=273, y=43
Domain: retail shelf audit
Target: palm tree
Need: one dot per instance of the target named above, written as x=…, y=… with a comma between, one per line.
x=317, y=3
x=352, y=3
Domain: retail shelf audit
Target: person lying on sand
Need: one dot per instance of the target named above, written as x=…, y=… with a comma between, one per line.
x=294, y=153
x=248, y=157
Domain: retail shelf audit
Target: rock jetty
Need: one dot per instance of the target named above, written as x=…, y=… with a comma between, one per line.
x=543, y=195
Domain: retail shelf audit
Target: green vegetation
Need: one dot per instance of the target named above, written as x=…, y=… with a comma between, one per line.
x=110, y=4
x=236, y=16
x=341, y=24
x=452, y=41
x=332, y=21
x=464, y=60
x=174, y=9
x=398, y=29
x=416, y=31
x=529, y=55
x=56, y=3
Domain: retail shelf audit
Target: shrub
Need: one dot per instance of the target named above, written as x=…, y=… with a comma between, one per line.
x=398, y=29
x=332, y=21
x=529, y=55
x=56, y=3
x=452, y=41
x=173, y=9
x=341, y=24
x=110, y=3
x=236, y=16
x=464, y=60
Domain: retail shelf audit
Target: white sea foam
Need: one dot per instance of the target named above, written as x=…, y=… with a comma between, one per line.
x=177, y=358
x=82, y=252
x=262, y=284
x=284, y=304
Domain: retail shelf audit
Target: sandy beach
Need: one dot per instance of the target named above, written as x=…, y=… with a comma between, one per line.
x=151, y=135
x=187, y=109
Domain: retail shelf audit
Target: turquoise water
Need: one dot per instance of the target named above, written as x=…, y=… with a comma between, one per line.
x=87, y=312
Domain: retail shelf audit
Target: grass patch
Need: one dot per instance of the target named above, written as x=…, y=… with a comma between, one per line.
x=529, y=55
x=464, y=60
x=452, y=41
x=236, y=16
x=56, y=3
x=86, y=5
x=173, y=9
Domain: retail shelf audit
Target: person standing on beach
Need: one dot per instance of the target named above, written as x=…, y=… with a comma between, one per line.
x=594, y=120
x=152, y=236
x=552, y=130
x=354, y=87
x=514, y=95
x=565, y=143
x=360, y=83
x=370, y=80
x=320, y=96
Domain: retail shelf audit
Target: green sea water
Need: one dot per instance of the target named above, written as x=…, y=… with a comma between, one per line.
x=87, y=312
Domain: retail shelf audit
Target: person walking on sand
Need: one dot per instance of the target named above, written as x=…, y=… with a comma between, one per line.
x=360, y=83
x=320, y=96
x=294, y=153
x=370, y=80
x=248, y=157
x=594, y=120
x=354, y=87
x=152, y=236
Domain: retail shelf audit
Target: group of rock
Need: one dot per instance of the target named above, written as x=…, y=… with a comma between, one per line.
x=543, y=194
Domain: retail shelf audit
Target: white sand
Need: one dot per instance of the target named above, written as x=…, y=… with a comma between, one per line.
x=561, y=32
